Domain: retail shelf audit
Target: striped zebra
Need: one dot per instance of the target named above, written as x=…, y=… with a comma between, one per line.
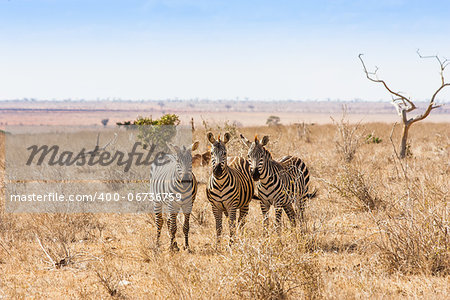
x=230, y=186
x=174, y=187
x=278, y=183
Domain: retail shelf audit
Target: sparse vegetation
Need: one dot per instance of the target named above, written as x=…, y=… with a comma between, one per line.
x=359, y=189
x=384, y=234
x=304, y=132
x=414, y=237
x=414, y=232
x=58, y=234
x=348, y=137
x=111, y=277
x=273, y=121
x=274, y=267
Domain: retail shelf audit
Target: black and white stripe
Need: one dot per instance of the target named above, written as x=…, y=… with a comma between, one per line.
x=230, y=185
x=175, y=177
x=278, y=183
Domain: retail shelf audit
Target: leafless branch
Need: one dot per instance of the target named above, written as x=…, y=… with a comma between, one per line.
x=97, y=149
x=443, y=63
x=401, y=102
x=51, y=261
x=113, y=140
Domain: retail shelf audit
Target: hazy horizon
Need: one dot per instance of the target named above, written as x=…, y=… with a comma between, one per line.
x=166, y=49
x=443, y=101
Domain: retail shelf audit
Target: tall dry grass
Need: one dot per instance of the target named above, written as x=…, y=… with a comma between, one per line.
x=378, y=228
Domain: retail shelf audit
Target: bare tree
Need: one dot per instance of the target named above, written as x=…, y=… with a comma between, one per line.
x=405, y=105
x=105, y=122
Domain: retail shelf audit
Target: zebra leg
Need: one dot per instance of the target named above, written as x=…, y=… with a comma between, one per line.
x=265, y=213
x=301, y=208
x=290, y=212
x=172, y=224
x=278, y=214
x=232, y=216
x=159, y=224
x=186, y=230
x=243, y=212
x=218, y=217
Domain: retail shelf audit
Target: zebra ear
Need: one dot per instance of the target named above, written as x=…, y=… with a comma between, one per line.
x=245, y=140
x=226, y=137
x=194, y=146
x=265, y=140
x=210, y=137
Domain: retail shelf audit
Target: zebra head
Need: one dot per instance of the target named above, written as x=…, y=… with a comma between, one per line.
x=218, y=152
x=184, y=161
x=257, y=155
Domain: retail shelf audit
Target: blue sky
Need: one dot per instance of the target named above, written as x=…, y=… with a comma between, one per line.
x=159, y=49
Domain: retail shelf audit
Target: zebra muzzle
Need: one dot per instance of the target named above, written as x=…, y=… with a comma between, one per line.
x=186, y=178
x=217, y=170
x=256, y=175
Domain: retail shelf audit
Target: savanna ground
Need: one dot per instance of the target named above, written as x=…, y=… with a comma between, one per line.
x=378, y=228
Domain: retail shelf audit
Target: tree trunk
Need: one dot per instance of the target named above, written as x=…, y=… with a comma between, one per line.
x=404, y=140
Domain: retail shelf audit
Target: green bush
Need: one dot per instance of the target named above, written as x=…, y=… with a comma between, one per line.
x=372, y=139
x=154, y=132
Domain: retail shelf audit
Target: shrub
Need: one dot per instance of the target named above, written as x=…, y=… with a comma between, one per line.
x=154, y=132
x=415, y=241
x=57, y=234
x=111, y=278
x=357, y=188
x=274, y=267
x=348, y=137
x=414, y=232
x=273, y=121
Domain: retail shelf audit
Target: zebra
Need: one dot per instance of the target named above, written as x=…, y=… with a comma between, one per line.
x=174, y=187
x=278, y=183
x=230, y=186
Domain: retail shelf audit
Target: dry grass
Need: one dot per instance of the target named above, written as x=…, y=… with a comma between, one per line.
x=348, y=137
x=384, y=234
x=274, y=267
